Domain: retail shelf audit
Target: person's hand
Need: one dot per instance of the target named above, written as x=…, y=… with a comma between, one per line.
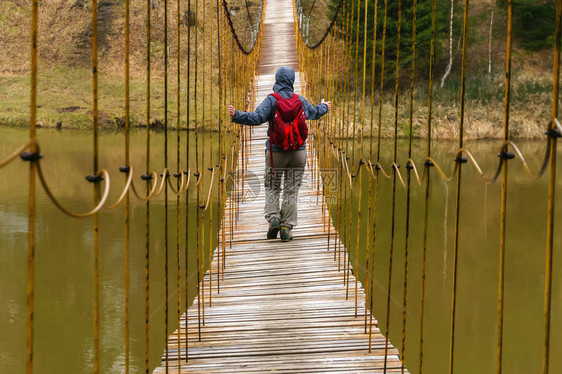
x=328, y=104
x=231, y=111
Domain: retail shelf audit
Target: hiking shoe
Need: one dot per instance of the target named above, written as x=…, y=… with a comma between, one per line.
x=273, y=228
x=286, y=234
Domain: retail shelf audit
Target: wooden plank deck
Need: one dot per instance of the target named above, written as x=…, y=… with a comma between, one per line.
x=282, y=306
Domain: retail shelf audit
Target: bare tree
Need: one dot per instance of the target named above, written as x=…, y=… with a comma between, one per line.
x=450, y=65
x=490, y=41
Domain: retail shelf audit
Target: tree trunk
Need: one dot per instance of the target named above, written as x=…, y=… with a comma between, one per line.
x=450, y=65
x=490, y=43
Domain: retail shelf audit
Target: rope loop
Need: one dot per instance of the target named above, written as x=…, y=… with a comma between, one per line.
x=129, y=171
x=16, y=153
x=149, y=178
x=181, y=187
x=103, y=175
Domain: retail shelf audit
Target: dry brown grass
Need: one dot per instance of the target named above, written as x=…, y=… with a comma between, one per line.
x=531, y=95
x=65, y=33
x=65, y=59
x=64, y=66
x=530, y=110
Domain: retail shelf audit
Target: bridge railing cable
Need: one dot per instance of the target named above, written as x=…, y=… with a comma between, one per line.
x=330, y=70
x=236, y=69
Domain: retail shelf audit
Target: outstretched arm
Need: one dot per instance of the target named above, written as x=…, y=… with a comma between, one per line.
x=261, y=115
x=315, y=111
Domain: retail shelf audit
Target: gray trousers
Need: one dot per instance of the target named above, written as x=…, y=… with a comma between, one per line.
x=288, y=166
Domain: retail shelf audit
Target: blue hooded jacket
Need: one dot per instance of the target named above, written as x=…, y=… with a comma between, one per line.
x=284, y=80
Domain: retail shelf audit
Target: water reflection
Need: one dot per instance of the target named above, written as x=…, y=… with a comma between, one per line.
x=64, y=327
x=445, y=225
x=477, y=292
x=64, y=254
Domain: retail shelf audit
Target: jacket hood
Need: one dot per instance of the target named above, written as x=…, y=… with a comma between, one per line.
x=284, y=80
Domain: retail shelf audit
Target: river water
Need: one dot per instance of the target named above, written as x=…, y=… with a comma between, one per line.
x=478, y=261
x=64, y=260
x=64, y=254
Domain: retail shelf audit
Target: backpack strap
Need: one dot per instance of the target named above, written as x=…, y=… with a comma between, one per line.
x=296, y=126
x=276, y=96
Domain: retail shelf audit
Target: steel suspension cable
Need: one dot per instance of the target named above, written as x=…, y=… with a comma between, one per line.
x=312, y=7
x=381, y=91
x=409, y=167
x=150, y=177
x=458, y=195
x=394, y=172
x=347, y=205
x=95, y=117
x=187, y=151
x=147, y=204
x=228, y=131
x=233, y=30
x=328, y=29
x=248, y=12
x=214, y=165
x=32, y=190
x=127, y=166
x=427, y=183
x=177, y=176
x=199, y=176
x=554, y=133
x=329, y=142
x=165, y=176
x=339, y=135
x=221, y=120
x=313, y=73
x=355, y=99
x=370, y=254
x=361, y=162
x=504, y=189
x=204, y=133
x=213, y=169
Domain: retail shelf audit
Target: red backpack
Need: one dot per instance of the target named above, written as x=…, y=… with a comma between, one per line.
x=289, y=130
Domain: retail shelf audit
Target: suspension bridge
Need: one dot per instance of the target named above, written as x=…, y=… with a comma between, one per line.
x=308, y=305
x=281, y=307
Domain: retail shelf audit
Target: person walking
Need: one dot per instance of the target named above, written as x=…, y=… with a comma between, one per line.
x=285, y=155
